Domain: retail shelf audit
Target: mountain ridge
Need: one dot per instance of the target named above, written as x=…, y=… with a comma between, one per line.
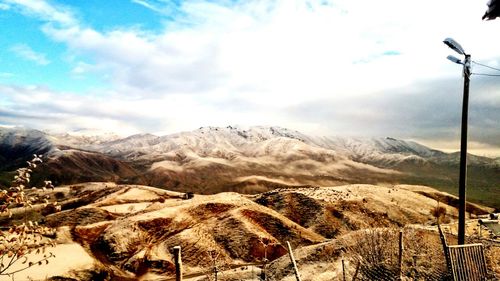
x=216, y=159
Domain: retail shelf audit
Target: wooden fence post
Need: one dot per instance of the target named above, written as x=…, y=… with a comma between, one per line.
x=178, y=263
x=356, y=272
x=296, y=270
x=263, y=275
x=214, y=255
x=400, y=257
x=343, y=269
x=442, y=236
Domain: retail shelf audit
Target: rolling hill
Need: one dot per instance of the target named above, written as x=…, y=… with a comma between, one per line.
x=127, y=232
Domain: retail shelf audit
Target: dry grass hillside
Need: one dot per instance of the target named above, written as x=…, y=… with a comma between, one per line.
x=132, y=229
x=127, y=232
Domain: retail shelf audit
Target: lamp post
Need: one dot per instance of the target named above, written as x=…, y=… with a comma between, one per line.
x=462, y=180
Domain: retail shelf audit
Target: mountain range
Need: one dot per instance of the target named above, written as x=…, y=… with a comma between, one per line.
x=257, y=159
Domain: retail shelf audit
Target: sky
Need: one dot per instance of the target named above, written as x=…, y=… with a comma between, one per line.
x=323, y=67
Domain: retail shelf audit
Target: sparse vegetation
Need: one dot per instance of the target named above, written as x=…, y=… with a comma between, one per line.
x=439, y=212
x=376, y=252
x=23, y=241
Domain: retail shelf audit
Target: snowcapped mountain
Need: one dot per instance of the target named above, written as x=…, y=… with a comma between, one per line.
x=19, y=144
x=208, y=141
x=21, y=137
x=83, y=138
x=254, y=159
x=66, y=160
x=229, y=142
x=253, y=141
x=386, y=152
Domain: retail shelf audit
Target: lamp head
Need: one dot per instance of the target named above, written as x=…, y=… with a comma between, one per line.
x=454, y=45
x=454, y=59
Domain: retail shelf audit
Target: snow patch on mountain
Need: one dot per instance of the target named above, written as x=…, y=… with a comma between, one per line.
x=236, y=144
x=27, y=139
x=80, y=140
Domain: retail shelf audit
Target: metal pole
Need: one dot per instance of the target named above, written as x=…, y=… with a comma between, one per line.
x=462, y=181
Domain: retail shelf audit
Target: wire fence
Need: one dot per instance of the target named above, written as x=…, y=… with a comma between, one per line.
x=393, y=254
x=374, y=254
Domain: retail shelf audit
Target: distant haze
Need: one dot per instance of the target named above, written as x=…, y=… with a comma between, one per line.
x=334, y=67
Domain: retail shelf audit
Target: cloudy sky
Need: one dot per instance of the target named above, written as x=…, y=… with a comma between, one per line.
x=324, y=67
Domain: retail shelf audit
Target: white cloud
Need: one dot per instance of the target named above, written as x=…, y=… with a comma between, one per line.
x=45, y=11
x=82, y=68
x=248, y=63
x=147, y=5
x=4, y=6
x=283, y=49
x=24, y=51
x=476, y=148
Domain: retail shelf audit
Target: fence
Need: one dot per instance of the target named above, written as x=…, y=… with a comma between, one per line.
x=377, y=254
x=467, y=262
x=262, y=276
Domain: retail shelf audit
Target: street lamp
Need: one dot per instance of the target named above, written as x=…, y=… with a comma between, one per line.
x=462, y=180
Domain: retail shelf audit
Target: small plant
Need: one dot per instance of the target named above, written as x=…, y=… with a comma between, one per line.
x=218, y=266
x=439, y=212
x=23, y=242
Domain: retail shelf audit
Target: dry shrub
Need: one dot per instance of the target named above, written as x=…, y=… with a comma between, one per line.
x=376, y=251
x=439, y=212
x=23, y=235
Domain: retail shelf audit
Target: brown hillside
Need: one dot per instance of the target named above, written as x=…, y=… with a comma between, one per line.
x=128, y=231
x=137, y=227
